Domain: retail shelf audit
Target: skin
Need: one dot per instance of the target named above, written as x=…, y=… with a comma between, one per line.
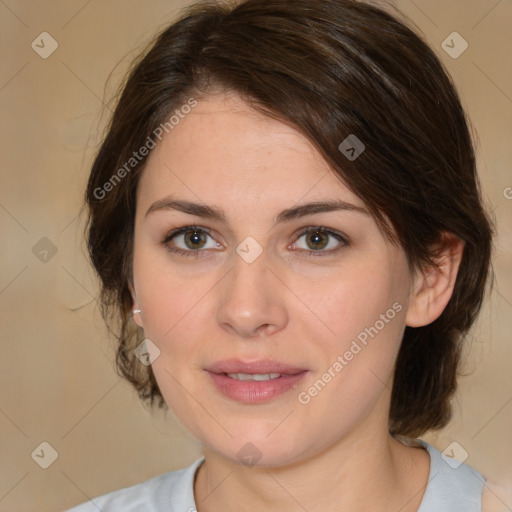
x=335, y=452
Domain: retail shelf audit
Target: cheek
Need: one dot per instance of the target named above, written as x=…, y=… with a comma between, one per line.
x=357, y=329
x=174, y=318
x=168, y=298
x=341, y=306
x=355, y=365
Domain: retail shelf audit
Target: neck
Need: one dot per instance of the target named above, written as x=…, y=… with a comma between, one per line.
x=368, y=472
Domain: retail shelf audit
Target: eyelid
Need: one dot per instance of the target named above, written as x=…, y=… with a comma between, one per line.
x=185, y=229
x=322, y=229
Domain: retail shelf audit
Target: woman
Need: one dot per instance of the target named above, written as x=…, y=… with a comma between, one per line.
x=286, y=207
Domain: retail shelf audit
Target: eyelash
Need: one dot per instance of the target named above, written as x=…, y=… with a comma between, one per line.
x=310, y=229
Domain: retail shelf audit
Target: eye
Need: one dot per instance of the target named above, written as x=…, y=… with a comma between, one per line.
x=319, y=240
x=188, y=240
x=314, y=240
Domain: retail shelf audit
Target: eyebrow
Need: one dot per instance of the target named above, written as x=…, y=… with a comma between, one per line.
x=214, y=213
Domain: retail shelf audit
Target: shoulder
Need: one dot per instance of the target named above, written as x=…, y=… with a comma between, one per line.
x=452, y=485
x=169, y=491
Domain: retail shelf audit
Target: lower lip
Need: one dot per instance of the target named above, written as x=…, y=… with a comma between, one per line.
x=253, y=391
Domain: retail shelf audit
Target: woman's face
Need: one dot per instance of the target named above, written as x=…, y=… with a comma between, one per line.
x=321, y=313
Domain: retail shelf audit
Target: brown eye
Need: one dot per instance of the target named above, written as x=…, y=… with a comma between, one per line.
x=195, y=239
x=190, y=240
x=320, y=240
x=317, y=240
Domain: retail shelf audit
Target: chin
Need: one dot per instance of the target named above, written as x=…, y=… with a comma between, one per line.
x=255, y=447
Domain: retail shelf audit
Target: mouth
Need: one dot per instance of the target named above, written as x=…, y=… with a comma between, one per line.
x=254, y=382
x=253, y=376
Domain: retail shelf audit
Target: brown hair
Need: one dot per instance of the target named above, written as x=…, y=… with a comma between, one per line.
x=329, y=68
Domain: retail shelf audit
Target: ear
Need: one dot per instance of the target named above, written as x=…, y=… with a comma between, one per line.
x=136, y=316
x=433, y=285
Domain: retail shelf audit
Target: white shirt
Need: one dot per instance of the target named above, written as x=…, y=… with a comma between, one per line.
x=450, y=488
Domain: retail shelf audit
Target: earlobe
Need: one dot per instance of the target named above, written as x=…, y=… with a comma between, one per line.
x=433, y=286
x=135, y=307
x=136, y=315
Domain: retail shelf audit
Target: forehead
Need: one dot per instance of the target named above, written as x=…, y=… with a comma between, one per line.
x=224, y=152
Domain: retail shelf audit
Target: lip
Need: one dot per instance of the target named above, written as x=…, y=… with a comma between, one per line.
x=249, y=391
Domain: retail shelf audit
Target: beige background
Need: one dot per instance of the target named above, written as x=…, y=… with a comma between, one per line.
x=57, y=382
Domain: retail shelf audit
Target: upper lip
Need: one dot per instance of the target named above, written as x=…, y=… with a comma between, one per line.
x=261, y=366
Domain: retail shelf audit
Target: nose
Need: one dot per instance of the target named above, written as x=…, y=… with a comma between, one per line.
x=252, y=300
